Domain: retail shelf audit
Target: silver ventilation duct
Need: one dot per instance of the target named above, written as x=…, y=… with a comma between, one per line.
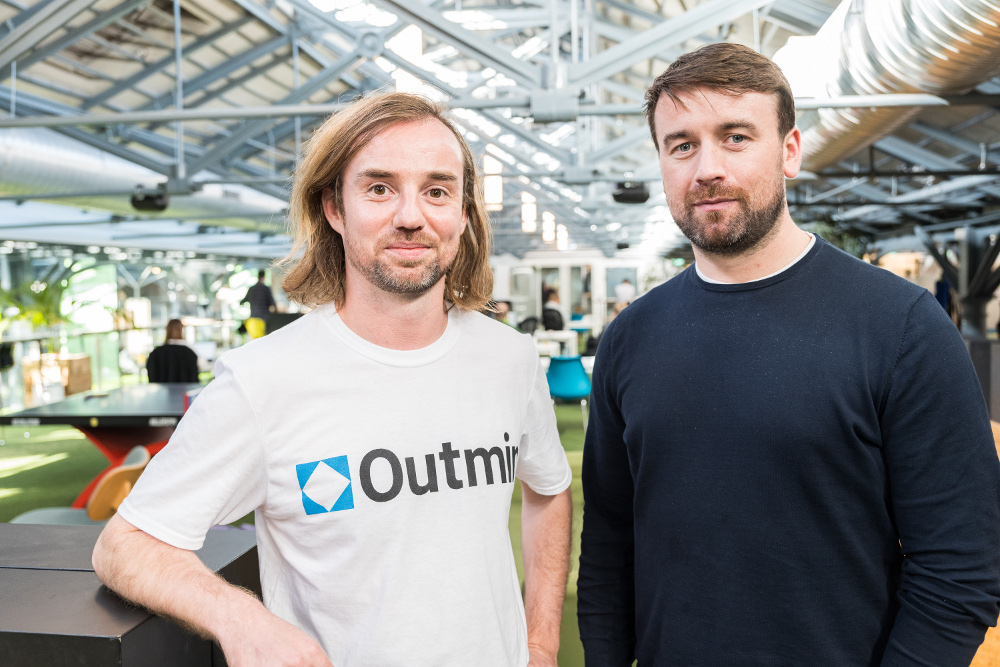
x=39, y=161
x=943, y=47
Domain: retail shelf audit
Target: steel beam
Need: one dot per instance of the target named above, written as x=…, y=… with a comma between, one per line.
x=968, y=147
x=281, y=132
x=23, y=15
x=53, y=16
x=93, y=25
x=169, y=115
x=523, y=133
x=262, y=14
x=906, y=151
x=632, y=10
x=210, y=95
x=487, y=18
x=944, y=188
x=207, y=77
x=812, y=14
x=38, y=106
x=623, y=143
x=130, y=82
x=225, y=148
x=466, y=41
x=664, y=36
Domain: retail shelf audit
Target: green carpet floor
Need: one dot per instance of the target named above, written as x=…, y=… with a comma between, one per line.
x=49, y=466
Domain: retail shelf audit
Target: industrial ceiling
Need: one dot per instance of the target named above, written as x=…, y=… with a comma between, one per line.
x=117, y=108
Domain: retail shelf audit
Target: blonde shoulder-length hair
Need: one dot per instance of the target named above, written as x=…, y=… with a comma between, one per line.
x=317, y=273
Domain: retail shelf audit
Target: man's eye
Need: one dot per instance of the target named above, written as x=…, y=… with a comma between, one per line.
x=379, y=190
x=738, y=138
x=436, y=193
x=684, y=148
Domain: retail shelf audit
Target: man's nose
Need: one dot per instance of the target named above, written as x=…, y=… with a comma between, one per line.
x=711, y=165
x=409, y=214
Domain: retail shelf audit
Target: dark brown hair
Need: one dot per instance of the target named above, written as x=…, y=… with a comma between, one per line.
x=175, y=330
x=733, y=69
x=318, y=275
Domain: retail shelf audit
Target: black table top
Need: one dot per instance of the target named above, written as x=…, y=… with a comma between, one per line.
x=152, y=405
x=32, y=546
x=49, y=587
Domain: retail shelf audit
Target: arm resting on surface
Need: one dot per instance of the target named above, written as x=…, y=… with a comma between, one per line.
x=545, y=540
x=174, y=583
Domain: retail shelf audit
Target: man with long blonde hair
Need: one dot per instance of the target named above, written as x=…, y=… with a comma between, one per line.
x=376, y=439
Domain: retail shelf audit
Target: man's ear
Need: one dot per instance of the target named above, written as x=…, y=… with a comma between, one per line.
x=793, y=152
x=331, y=211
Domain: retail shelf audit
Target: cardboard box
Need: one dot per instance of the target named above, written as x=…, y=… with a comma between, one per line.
x=51, y=378
x=76, y=375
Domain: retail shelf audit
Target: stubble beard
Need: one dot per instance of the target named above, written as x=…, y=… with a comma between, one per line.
x=389, y=277
x=745, y=231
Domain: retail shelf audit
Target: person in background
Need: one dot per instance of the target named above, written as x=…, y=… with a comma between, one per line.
x=377, y=438
x=552, y=318
x=789, y=460
x=504, y=313
x=174, y=361
x=262, y=304
x=624, y=292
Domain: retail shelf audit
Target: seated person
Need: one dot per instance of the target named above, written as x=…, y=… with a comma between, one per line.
x=552, y=318
x=173, y=361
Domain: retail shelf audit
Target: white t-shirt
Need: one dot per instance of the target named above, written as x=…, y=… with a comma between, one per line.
x=381, y=528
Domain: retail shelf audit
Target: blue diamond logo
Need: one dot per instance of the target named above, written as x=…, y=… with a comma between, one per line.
x=325, y=485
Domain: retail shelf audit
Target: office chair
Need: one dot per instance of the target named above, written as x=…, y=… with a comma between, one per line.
x=104, y=501
x=568, y=381
x=528, y=325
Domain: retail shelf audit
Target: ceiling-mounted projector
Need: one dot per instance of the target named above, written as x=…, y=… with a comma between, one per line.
x=630, y=192
x=150, y=201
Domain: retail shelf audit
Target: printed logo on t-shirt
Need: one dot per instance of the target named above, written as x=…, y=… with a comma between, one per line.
x=326, y=484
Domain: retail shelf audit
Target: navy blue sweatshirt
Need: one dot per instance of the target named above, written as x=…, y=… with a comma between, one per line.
x=795, y=471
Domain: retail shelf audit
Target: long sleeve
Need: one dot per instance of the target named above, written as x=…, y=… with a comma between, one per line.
x=944, y=481
x=606, y=585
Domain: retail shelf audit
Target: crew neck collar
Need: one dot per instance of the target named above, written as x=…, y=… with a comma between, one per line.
x=389, y=357
x=811, y=250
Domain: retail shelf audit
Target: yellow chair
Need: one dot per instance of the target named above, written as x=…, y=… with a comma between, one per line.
x=988, y=654
x=104, y=501
x=256, y=327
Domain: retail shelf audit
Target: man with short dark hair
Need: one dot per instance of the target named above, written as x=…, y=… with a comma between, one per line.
x=262, y=304
x=789, y=459
x=376, y=439
x=259, y=297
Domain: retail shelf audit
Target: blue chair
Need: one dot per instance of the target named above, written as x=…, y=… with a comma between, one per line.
x=568, y=381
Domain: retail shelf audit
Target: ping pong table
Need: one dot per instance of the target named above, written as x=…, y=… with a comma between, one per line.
x=115, y=421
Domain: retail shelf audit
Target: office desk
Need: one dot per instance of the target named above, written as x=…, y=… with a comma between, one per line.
x=56, y=612
x=566, y=339
x=115, y=421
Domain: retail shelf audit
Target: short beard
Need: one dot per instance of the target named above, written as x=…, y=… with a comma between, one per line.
x=388, y=279
x=745, y=232
x=382, y=276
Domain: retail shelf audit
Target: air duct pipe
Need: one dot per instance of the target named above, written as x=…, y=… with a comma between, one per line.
x=942, y=47
x=39, y=161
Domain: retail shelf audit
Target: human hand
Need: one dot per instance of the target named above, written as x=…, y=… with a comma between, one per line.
x=269, y=641
x=539, y=657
